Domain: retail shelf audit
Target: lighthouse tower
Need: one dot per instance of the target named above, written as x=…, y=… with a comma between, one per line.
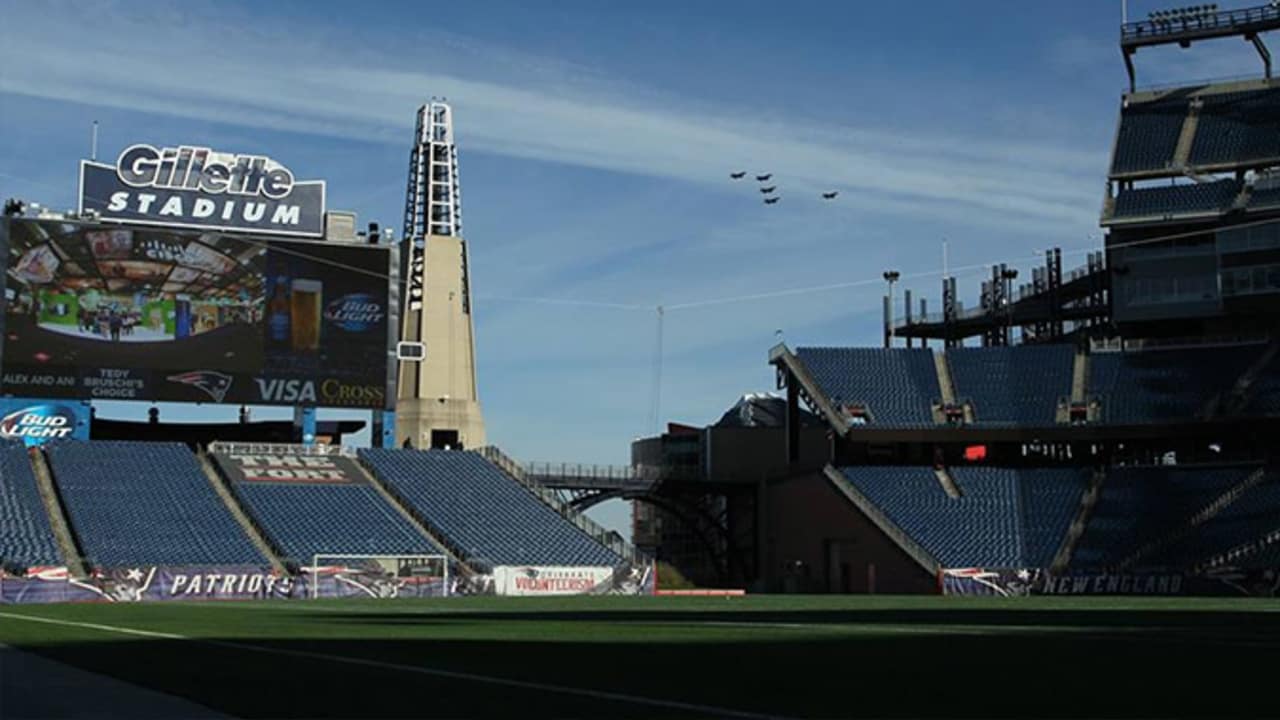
x=438, y=404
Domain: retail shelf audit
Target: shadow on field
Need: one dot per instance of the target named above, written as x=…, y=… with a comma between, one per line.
x=1259, y=625
x=1191, y=664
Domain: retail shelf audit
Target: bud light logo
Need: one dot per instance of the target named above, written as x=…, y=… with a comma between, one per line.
x=357, y=312
x=36, y=424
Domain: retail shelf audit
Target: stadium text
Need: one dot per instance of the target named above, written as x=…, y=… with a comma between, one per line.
x=1113, y=585
x=203, y=208
x=229, y=583
x=196, y=168
x=331, y=392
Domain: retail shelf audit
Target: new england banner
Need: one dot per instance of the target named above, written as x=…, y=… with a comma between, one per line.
x=1224, y=581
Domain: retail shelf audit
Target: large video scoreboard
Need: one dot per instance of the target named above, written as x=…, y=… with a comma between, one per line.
x=147, y=312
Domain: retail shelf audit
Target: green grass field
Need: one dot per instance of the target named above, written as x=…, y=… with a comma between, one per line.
x=596, y=657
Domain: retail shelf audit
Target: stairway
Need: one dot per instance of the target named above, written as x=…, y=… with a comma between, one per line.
x=1249, y=548
x=913, y=549
x=455, y=558
x=944, y=378
x=247, y=524
x=1239, y=397
x=1202, y=516
x=1080, y=377
x=72, y=557
x=602, y=535
x=1088, y=501
x=947, y=482
x=1182, y=151
x=948, y=391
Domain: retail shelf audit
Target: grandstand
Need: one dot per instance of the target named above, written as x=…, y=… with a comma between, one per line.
x=1016, y=386
x=1086, y=458
x=302, y=518
x=482, y=513
x=895, y=387
x=132, y=503
x=26, y=537
x=987, y=517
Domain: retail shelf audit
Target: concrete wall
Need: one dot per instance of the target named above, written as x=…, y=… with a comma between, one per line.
x=440, y=391
x=815, y=540
x=748, y=454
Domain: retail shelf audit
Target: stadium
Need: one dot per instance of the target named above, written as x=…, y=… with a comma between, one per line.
x=881, y=536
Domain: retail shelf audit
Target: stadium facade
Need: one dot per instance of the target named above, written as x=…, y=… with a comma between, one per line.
x=1103, y=430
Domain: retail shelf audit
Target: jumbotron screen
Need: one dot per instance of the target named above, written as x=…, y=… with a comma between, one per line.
x=104, y=311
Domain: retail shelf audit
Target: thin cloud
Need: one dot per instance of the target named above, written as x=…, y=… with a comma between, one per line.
x=126, y=59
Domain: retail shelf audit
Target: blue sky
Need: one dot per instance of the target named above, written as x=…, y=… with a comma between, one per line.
x=595, y=142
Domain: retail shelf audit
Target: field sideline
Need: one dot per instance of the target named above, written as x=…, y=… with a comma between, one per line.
x=828, y=656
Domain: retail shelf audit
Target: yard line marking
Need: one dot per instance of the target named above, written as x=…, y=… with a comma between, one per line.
x=450, y=674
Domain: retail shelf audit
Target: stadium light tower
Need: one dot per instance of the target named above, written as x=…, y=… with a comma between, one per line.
x=438, y=403
x=891, y=277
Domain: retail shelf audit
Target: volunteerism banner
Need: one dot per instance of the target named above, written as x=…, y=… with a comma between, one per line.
x=551, y=580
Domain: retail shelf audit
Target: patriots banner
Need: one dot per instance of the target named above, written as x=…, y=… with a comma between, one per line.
x=369, y=579
x=151, y=583
x=984, y=581
x=148, y=583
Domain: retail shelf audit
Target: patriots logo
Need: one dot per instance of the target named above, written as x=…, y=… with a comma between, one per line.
x=214, y=384
x=120, y=584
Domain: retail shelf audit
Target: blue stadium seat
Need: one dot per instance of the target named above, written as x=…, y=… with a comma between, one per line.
x=478, y=509
x=1141, y=505
x=1050, y=501
x=26, y=537
x=1237, y=127
x=133, y=503
x=1148, y=135
x=898, y=386
x=303, y=520
x=1156, y=386
x=1004, y=518
x=1264, y=396
x=1170, y=200
x=1013, y=385
x=1251, y=516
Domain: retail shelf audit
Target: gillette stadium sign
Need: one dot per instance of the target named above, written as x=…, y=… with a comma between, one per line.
x=196, y=187
x=35, y=423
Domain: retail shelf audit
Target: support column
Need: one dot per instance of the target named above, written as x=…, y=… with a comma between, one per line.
x=304, y=425
x=793, y=419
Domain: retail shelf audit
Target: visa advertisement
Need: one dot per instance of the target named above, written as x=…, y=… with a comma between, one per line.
x=36, y=422
x=102, y=311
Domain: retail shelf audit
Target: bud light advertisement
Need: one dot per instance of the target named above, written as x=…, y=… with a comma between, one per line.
x=112, y=312
x=35, y=422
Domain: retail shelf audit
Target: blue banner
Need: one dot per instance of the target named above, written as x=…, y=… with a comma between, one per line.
x=1224, y=581
x=149, y=583
x=35, y=422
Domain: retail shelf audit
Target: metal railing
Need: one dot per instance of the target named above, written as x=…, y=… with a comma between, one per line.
x=607, y=477
x=1249, y=548
x=595, y=530
x=621, y=475
x=1221, y=20
x=882, y=521
x=1114, y=344
x=257, y=448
